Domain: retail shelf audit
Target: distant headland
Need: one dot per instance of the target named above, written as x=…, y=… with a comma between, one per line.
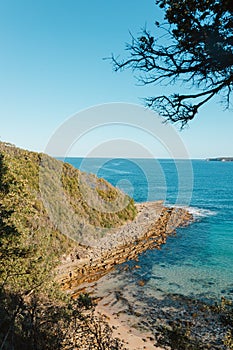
x=220, y=159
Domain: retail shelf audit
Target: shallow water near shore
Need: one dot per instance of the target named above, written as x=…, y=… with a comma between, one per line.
x=198, y=261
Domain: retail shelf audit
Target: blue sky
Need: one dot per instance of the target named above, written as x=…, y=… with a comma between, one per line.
x=51, y=67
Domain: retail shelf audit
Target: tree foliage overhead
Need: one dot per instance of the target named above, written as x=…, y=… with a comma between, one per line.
x=196, y=48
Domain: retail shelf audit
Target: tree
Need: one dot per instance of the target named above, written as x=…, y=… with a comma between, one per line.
x=196, y=48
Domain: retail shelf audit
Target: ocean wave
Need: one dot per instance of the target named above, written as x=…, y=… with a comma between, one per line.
x=116, y=171
x=198, y=212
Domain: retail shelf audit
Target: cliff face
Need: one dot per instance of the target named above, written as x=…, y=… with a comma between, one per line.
x=149, y=230
x=47, y=208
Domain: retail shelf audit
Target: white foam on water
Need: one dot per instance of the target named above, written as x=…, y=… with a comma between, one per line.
x=116, y=171
x=198, y=212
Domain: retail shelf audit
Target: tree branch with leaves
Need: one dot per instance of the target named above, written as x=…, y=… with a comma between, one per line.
x=196, y=48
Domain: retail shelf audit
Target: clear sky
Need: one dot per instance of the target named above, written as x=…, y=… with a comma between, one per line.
x=51, y=67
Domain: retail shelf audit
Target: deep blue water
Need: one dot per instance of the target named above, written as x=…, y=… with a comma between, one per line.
x=198, y=261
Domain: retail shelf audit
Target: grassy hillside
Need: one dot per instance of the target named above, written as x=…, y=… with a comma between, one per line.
x=48, y=208
x=44, y=203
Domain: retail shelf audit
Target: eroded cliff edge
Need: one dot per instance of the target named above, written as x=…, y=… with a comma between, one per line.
x=149, y=230
x=71, y=222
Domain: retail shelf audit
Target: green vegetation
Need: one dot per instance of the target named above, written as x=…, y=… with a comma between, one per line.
x=44, y=203
x=192, y=45
x=95, y=200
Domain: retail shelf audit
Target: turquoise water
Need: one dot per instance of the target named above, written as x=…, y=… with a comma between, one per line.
x=198, y=261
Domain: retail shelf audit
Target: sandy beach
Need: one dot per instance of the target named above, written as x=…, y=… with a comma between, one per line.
x=123, y=327
x=141, y=317
x=153, y=223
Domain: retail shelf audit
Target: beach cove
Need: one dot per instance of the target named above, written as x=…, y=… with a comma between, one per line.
x=139, y=318
x=84, y=267
x=149, y=230
x=180, y=290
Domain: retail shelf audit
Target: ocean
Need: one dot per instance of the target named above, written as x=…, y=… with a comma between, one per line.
x=198, y=261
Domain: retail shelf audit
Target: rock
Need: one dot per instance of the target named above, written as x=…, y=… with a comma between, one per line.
x=141, y=283
x=123, y=244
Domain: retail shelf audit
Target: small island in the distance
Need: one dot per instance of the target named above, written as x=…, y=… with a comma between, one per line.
x=220, y=159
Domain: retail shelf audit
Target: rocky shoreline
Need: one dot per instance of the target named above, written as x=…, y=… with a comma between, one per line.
x=169, y=322
x=138, y=319
x=149, y=230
